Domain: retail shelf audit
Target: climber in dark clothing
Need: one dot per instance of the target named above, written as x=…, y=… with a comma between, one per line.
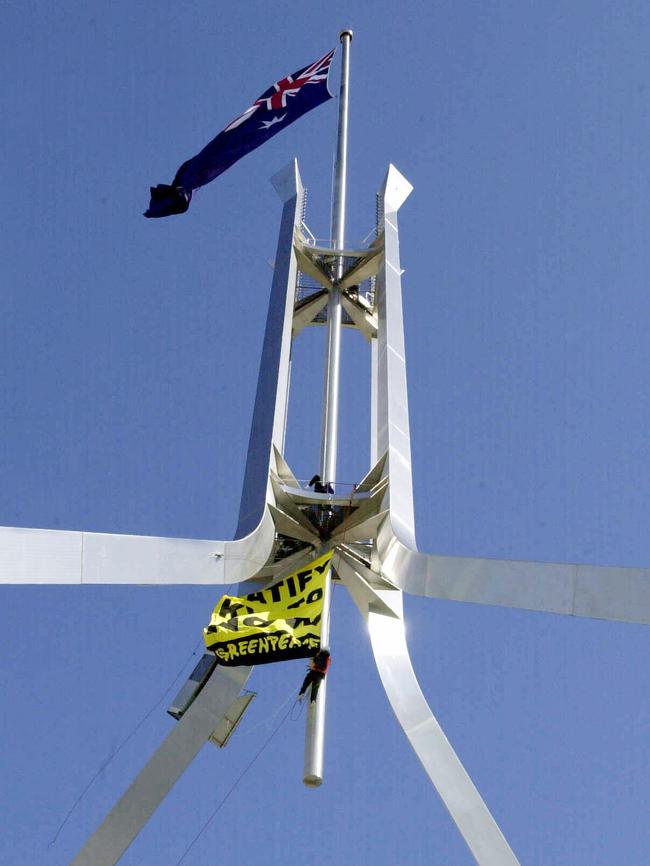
x=317, y=484
x=316, y=674
x=320, y=486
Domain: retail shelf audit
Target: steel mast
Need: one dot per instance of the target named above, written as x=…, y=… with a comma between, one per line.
x=315, y=730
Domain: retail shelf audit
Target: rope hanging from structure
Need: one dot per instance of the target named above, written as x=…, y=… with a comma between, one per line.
x=234, y=785
x=129, y=737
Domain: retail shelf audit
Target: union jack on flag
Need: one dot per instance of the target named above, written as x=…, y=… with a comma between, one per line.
x=284, y=102
x=276, y=96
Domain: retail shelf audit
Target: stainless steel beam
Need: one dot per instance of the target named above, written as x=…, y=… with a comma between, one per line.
x=392, y=418
x=457, y=791
x=65, y=557
x=131, y=812
x=383, y=611
x=598, y=591
x=271, y=400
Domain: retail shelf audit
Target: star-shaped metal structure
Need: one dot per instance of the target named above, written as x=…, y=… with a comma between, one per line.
x=283, y=525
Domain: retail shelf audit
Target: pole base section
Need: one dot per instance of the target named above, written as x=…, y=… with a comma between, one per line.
x=313, y=781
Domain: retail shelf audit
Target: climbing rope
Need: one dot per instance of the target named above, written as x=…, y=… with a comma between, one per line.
x=267, y=723
x=130, y=736
x=234, y=785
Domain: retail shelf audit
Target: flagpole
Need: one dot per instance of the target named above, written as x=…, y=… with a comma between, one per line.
x=329, y=437
x=315, y=730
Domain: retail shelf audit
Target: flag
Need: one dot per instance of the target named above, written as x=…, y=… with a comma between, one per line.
x=284, y=102
x=277, y=623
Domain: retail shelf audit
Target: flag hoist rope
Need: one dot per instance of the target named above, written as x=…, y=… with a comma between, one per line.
x=315, y=731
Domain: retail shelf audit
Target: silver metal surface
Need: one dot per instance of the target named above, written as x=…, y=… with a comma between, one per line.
x=55, y=556
x=375, y=552
x=164, y=768
x=58, y=556
x=315, y=726
x=392, y=416
x=308, y=497
x=271, y=400
x=229, y=723
x=382, y=609
x=601, y=592
x=192, y=686
x=329, y=436
x=307, y=312
x=396, y=532
x=363, y=588
x=457, y=791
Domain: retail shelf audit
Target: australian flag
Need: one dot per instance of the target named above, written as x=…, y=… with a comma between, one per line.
x=284, y=102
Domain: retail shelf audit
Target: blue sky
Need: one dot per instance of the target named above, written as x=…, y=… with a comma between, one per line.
x=128, y=362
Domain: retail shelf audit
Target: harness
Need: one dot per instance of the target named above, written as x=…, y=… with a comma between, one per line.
x=321, y=667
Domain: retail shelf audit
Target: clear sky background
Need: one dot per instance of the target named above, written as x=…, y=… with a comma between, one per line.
x=128, y=361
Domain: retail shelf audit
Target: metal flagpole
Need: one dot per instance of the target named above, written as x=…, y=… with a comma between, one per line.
x=332, y=369
x=315, y=731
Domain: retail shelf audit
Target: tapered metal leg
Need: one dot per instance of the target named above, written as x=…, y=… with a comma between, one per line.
x=477, y=826
x=125, y=820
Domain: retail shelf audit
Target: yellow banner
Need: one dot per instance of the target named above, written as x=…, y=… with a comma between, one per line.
x=277, y=623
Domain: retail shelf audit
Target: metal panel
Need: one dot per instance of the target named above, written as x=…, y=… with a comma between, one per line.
x=310, y=266
x=39, y=556
x=365, y=596
x=58, y=556
x=164, y=768
x=192, y=686
x=612, y=593
x=307, y=311
x=365, y=267
x=141, y=559
x=288, y=526
x=226, y=728
x=601, y=592
x=361, y=318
